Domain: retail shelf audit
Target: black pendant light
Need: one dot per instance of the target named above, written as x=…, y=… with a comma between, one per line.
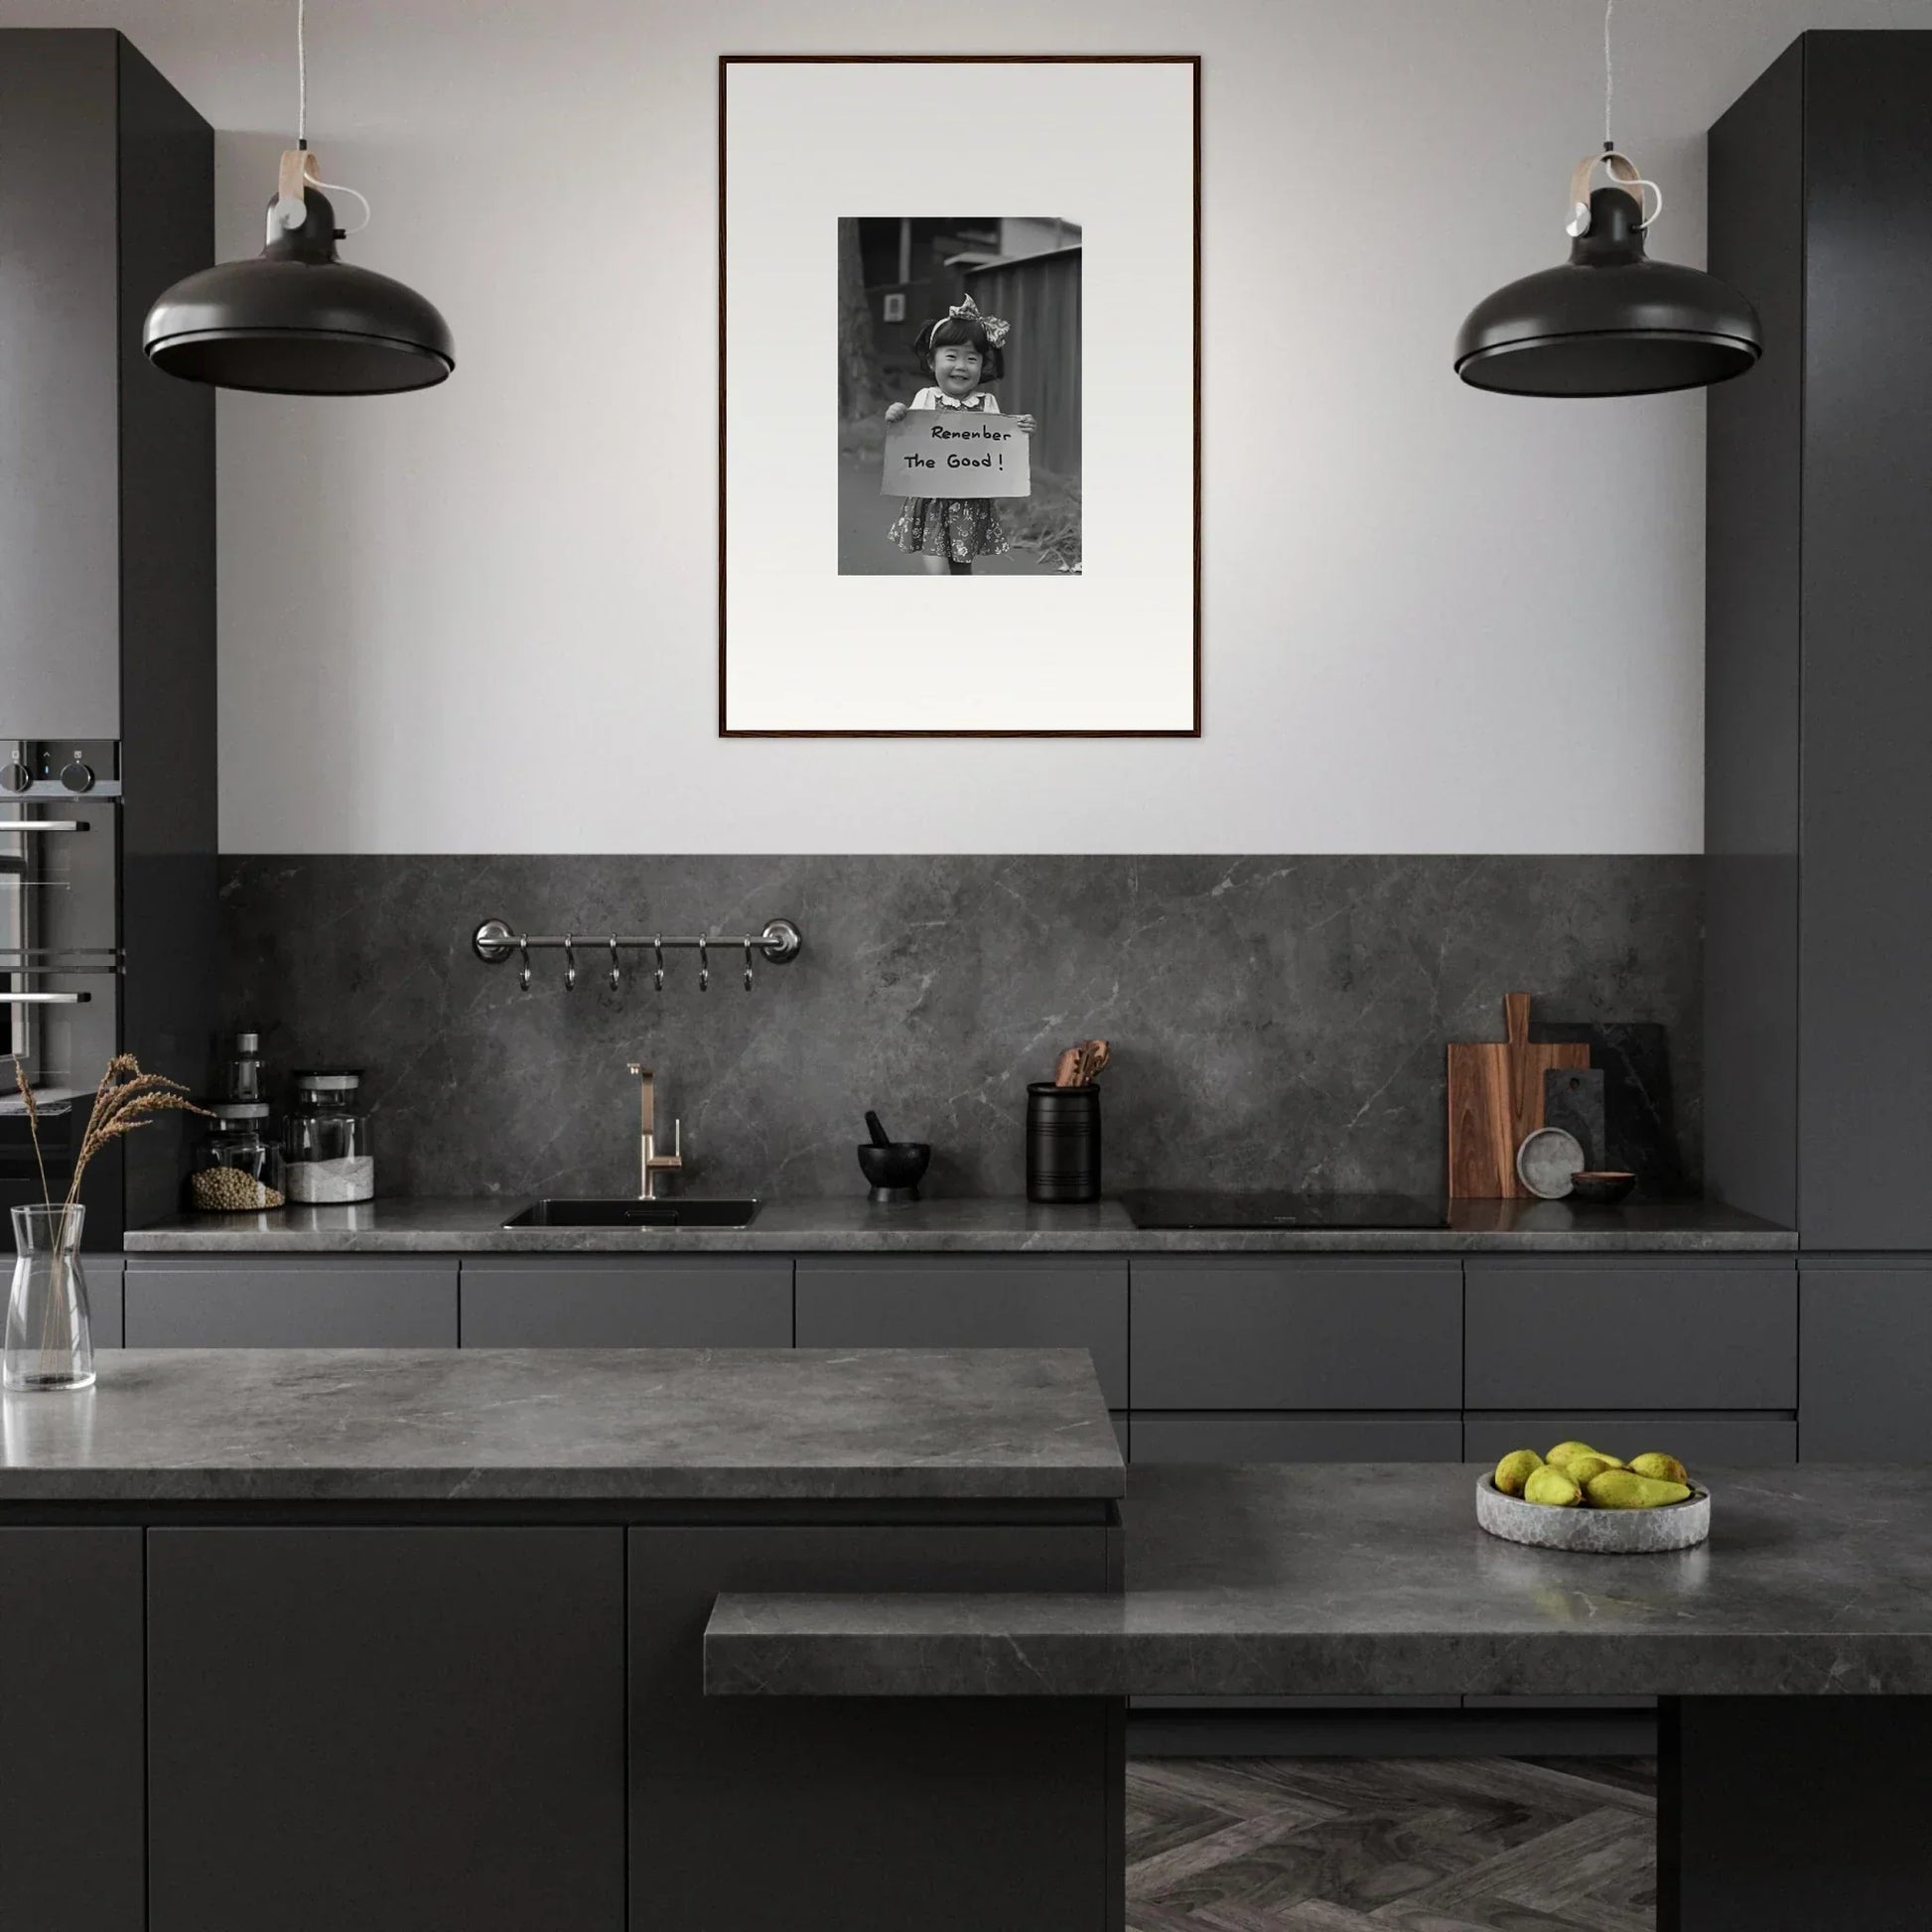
x=298, y=319
x=1609, y=322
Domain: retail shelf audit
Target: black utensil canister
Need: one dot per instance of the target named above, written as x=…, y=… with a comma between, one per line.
x=1062, y=1142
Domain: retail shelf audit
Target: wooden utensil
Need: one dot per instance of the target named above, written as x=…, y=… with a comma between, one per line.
x=1495, y=1100
x=1082, y=1064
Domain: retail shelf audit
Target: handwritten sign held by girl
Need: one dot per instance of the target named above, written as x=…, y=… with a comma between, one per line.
x=933, y=453
x=945, y=473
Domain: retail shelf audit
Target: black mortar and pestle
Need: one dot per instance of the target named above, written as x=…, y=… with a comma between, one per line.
x=895, y=1167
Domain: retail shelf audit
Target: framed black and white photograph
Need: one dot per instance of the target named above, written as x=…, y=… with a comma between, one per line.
x=916, y=389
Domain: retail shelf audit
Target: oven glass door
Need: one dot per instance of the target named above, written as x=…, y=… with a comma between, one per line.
x=59, y=977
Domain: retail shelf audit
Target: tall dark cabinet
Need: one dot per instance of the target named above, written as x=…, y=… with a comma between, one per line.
x=1819, y=718
x=107, y=724
x=1818, y=707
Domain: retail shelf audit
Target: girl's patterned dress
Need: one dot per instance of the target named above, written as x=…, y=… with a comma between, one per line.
x=957, y=528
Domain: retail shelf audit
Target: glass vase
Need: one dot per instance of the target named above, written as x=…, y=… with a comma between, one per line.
x=49, y=1339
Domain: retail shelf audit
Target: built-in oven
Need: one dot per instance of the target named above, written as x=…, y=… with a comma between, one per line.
x=60, y=962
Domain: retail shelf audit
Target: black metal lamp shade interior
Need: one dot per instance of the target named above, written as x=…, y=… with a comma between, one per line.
x=1609, y=322
x=297, y=321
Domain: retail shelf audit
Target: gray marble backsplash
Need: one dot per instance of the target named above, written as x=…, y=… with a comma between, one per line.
x=1275, y=1022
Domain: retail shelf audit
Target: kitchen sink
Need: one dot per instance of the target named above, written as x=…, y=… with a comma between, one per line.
x=634, y=1213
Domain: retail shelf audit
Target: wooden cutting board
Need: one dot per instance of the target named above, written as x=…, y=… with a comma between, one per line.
x=1495, y=1099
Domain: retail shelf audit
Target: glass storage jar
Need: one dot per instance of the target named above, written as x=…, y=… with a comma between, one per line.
x=241, y=1076
x=325, y=1140
x=238, y=1165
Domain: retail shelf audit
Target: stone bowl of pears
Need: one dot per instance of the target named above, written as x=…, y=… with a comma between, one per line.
x=1581, y=1498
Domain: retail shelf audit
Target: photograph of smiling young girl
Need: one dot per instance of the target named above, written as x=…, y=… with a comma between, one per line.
x=959, y=396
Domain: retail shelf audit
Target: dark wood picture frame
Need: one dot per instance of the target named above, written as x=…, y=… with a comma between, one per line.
x=728, y=60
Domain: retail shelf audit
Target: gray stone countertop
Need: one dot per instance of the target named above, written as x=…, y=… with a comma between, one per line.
x=557, y=1425
x=959, y=1226
x=1373, y=1578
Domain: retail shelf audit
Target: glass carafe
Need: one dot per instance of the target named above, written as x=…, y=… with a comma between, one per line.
x=49, y=1339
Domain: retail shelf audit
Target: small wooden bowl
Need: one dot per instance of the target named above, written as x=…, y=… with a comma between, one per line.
x=1602, y=1187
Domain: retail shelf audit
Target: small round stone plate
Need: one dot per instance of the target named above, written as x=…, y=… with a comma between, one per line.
x=1546, y=1161
x=1599, y=1532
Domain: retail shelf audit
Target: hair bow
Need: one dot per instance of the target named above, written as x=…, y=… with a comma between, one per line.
x=991, y=327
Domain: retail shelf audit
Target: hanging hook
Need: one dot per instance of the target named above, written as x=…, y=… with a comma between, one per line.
x=524, y=946
x=616, y=968
x=748, y=965
x=704, y=966
x=657, y=978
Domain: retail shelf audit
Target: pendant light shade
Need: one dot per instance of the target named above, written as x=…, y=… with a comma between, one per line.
x=1609, y=322
x=299, y=320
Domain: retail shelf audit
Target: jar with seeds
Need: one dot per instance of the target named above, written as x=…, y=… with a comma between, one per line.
x=238, y=1166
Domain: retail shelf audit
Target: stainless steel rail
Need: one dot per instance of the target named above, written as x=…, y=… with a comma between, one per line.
x=495, y=940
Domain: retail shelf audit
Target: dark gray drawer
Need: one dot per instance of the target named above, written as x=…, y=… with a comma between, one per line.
x=1867, y=1341
x=962, y=1301
x=268, y=1301
x=104, y=1275
x=1263, y=1333
x=626, y=1302
x=1557, y=1334
x=1296, y=1438
x=1735, y=1440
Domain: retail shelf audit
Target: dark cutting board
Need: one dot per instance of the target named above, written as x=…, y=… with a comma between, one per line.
x=1573, y=1099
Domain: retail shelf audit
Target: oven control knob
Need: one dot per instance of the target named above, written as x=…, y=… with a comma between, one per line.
x=78, y=777
x=15, y=776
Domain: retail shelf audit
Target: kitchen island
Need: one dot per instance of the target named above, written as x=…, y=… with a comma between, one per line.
x=413, y=1639
x=1793, y=1651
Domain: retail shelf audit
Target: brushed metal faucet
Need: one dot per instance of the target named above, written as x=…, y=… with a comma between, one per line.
x=651, y=1164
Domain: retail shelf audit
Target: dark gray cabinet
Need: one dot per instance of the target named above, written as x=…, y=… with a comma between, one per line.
x=969, y=1302
x=308, y=1688
x=792, y=1814
x=626, y=1301
x=1551, y=1333
x=1235, y=1437
x=1233, y=1358
x=108, y=196
x=1733, y=1441
x=1818, y=682
x=107, y=574
x=1268, y=1332
x=71, y=1825
x=103, y=1272
x=1866, y=1329
x=272, y=1301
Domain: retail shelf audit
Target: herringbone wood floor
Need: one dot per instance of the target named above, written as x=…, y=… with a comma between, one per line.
x=1391, y=1845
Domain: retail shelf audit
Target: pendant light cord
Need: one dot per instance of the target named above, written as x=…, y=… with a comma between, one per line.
x=1610, y=75
x=290, y=214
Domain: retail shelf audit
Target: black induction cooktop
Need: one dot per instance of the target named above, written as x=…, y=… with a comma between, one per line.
x=1196, y=1209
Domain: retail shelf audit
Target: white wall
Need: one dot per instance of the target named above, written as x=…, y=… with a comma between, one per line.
x=430, y=604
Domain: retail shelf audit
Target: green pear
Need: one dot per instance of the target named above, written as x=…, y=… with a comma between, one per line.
x=1550, y=1485
x=1579, y=1469
x=1625, y=1489
x=1516, y=1469
x=1666, y=1468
